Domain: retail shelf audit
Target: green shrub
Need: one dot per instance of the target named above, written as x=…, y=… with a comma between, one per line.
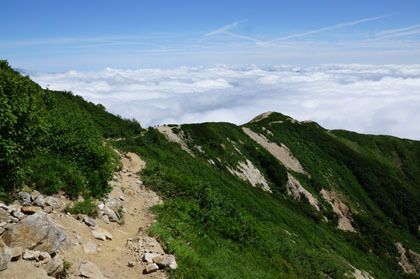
x=87, y=207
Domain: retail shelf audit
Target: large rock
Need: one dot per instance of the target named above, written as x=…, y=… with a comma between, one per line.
x=5, y=255
x=36, y=231
x=90, y=270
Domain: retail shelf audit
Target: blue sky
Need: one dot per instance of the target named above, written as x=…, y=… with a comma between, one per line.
x=92, y=35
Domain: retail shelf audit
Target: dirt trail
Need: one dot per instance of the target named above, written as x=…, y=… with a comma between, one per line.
x=113, y=256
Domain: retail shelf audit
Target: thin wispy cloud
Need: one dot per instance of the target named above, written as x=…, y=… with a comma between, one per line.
x=225, y=30
x=220, y=30
x=399, y=32
x=328, y=28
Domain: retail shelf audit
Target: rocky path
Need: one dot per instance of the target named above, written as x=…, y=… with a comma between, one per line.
x=121, y=257
x=114, y=244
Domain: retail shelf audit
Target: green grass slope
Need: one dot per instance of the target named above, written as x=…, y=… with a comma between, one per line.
x=219, y=226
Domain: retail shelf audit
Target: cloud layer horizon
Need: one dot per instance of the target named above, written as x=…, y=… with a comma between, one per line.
x=369, y=99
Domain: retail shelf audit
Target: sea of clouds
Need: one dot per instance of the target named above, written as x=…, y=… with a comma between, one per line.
x=364, y=98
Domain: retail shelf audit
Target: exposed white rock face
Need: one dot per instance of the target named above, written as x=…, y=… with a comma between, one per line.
x=36, y=231
x=295, y=189
x=261, y=116
x=360, y=274
x=282, y=153
x=404, y=262
x=248, y=172
x=178, y=138
x=341, y=209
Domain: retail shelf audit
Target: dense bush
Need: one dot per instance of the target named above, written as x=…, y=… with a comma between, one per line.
x=54, y=140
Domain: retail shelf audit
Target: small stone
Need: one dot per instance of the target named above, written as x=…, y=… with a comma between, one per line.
x=54, y=267
x=4, y=215
x=30, y=255
x=35, y=194
x=151, y=268
x=166, y=260
x=90, y=247
x=131, y=264
x=19, y=215
x=39, y=201
x=90, y=270
x=105, y=218
x=44, y=257
x=89, y=221
x=107, y=234
x=113, y=216
x=101, y=206
x=98, y=235
x=53, y=202
x=31, y=209
x=5, y=255
x=25, y=197
x=148, y=257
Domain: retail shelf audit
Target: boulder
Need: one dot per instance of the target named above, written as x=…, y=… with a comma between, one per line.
x=90, y=270
x=151, y=268
x=36, y=231
x=5, y=255
x=53, y=202
x=55, y=266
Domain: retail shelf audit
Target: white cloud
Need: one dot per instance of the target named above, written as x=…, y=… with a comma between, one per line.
x=363, y=98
